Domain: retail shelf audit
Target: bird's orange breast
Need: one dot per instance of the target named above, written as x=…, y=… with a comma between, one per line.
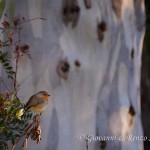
x=46, y=97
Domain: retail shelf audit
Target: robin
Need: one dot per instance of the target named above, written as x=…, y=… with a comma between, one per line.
x=37, y=102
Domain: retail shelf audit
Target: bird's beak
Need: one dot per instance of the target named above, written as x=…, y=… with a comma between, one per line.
x=48, y=95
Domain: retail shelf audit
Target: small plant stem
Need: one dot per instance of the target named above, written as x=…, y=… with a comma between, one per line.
x=17, y=59
x=4, y=84
x=32, y=20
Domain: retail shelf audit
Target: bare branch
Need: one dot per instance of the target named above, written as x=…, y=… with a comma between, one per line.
x=32, y=20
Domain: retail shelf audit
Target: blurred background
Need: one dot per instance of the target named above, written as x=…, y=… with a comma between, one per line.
x=87, y=55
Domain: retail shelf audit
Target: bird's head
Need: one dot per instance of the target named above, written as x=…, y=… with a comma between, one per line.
x=43, y=94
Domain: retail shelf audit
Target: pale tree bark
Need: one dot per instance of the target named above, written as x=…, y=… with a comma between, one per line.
x=87, y=55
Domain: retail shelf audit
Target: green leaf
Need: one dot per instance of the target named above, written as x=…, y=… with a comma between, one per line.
x=10, y=72
x=9, y=68
x=6, y=64
x=3, y=60
x=5, y=45
x=2, y=7
x=10, y=77
x=6, y=42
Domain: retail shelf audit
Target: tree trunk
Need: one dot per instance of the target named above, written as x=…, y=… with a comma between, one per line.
x=87, y=55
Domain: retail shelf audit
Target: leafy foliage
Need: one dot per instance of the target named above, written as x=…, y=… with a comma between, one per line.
x=11, y=124
x=4, y=60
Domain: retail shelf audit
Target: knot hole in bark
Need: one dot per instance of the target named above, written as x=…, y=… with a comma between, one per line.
x=132, y=114
x=63, y=69
x=70, y=12
x=132, y=53
x=132, y=110
x=88, y=4
x=77, y=63
x=101, y=28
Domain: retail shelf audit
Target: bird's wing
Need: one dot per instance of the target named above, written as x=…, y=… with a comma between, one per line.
x=33, y=101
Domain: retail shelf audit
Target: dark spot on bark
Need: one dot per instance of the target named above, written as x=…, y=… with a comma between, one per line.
x=117, y=5
x=63, y=69
x=103, y=144
x=75, y=9
x=100, y=34
x=132, y=110
x=24, y=47
x=77, y=63
x=132, y=53
x=88, y=4
x=65, y=11
x=65, y=66
x=70, y=12
x=102, y=26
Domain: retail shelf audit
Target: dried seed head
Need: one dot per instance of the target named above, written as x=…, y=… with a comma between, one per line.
x=35, y=132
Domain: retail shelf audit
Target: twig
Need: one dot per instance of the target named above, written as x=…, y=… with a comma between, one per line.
x=4, y=84
x=17, y=59
x=32, y=20
x=25, y=143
